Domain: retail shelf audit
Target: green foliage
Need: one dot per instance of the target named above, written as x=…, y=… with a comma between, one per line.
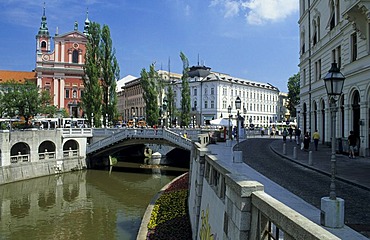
x=293, y=93
x=24, y=100
x=110, y=73
x=149, y=81
x=185, y=92
x=92, y=98
x=171, y=102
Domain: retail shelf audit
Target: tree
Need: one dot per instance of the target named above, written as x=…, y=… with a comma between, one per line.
x=293, y=93
x=25, y=100
x=92, y=98
x=185, y=92
x=110, y=73
x=170, y=102
x=149, y=82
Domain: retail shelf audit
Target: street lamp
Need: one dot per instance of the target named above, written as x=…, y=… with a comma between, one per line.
x=332, y=208
x=238, y=104
x=229, y=111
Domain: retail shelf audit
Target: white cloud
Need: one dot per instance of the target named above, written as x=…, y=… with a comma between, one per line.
x=257, y=11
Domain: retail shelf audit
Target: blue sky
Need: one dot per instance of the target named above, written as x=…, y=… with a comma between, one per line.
x=256, y=40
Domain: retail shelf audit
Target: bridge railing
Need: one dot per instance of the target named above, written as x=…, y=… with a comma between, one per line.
x=176, y=138
x=20, y=158
x=47, y=155
x=121, y=134
x=78, y=131
x=70, y=153
x=151, y=133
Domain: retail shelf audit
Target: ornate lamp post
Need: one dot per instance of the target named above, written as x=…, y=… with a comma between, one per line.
x=332, y=208
x=238, y=104
x=229, y=111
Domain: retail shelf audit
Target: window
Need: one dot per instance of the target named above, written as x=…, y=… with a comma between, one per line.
x=74, y=94
x=205, y=104
x=67, y=93
x=224, y=104
x=212, y=91
x=231, y=92
x=339, y=57
x=75, y=56
x=43, y=44
x=195, y=91
x=212, y=104
x=205, y=91
x=82, y=93
x=354, y=47
x=224, y=91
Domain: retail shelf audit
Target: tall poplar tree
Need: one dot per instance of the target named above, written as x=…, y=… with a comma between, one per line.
x=110, y=74
x=185, y=92
x=149, y=81
x=293, y=93
x=171, y=102
x=92, y=98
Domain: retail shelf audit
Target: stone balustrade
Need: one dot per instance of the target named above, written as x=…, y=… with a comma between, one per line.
x=225, y=204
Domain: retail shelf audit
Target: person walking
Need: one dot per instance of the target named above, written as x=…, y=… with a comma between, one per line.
x=290, y=131
x=285, y=134
x=352, y=141
x=306, y=141
x=316, y=138
x=298, y=136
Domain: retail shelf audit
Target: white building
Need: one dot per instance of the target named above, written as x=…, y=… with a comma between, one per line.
x=212, y=93
x=335, y=31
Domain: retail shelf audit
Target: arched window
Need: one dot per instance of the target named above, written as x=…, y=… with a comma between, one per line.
x=75, y=56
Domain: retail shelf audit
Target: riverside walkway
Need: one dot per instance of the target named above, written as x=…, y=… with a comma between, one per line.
x=224, y=154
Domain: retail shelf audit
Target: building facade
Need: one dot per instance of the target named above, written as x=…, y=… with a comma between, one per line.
x=60, y=66
x=335, y=31
x=212, y=93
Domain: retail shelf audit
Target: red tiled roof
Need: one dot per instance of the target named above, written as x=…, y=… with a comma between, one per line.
x=19, y=76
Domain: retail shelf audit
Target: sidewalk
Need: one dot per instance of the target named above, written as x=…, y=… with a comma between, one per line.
x=224, y=155
x=354, y=171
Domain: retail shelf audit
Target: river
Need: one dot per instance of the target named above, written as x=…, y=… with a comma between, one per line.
x=90, y=204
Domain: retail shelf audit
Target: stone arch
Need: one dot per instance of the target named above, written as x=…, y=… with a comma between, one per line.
x=47, y=146
x=70, y=144
x=47, y=150
x=355, y=111
x=70, y=148
x=315, y=116
x=304, y=117
x=20, y=152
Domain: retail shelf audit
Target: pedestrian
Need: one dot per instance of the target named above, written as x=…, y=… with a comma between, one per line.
x=285, y=134
x=352, y=142
x=290, y=131
x=316, y=138
x=298, y=135
x=306, y=141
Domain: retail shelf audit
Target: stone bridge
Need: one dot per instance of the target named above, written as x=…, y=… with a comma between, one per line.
x=116, y=138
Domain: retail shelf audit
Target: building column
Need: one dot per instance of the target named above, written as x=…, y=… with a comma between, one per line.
x=61, y=93
x=56, y=91
x=56, y=52
x=62, y=52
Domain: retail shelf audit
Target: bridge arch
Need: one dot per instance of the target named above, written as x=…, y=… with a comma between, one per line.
x=20, y=152
x=47, y=146
x=70, y=145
